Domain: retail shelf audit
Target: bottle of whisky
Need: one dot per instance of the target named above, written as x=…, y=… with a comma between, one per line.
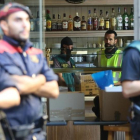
x=89, y=21
x=83, y=24
x=95, y=21
x=32, y=24
x=70, y=24
x=48, y=21
x=64, y=23
x=131, y=20
x=113, y=20
x=101, y=21
x=54, y=23
x=107, y=21
x=77, y=23
x=59, y=23
x=119, y=20
x=37, y=22
x=125, y=20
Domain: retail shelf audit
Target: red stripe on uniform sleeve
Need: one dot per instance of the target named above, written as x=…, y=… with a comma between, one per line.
x=33, y=51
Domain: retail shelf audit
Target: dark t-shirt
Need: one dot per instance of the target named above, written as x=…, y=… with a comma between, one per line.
x=131, y=68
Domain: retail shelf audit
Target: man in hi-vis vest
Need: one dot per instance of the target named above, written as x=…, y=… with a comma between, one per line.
x=111, y=56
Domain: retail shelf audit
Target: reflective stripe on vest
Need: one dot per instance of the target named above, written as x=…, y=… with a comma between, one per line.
x=114, y=61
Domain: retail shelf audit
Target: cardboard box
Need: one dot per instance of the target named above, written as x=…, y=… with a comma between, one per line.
x=87, y=85
x=68, y=106
x=113, y=106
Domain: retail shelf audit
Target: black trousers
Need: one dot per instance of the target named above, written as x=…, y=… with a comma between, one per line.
x=135, y=127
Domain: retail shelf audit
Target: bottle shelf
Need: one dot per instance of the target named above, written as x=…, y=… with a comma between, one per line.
x=61, y=34
x=89, y=3
x=86, y=3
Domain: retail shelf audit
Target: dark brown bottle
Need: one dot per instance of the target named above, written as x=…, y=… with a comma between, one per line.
x=59, y=23
x=54, y=23
x=101, y=21
x=83, y=24
x=76, y=23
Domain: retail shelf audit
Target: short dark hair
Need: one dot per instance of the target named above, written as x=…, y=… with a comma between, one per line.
x=112, y=32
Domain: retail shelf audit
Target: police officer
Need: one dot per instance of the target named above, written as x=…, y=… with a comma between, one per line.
x=131, y=83
x=64, y=60
x=24, y=68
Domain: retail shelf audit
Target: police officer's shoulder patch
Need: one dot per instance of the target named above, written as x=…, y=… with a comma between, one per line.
x=34, y=58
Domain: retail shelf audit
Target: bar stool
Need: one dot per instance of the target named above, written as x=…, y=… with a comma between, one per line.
x=113, y=128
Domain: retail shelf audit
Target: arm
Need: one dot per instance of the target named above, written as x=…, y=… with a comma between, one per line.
x=28, y=85
x=131, y=88
x=9, y=97
x=49, y=90
x=61, y=80
x=95, y=62
x=117, y=84
x=131, y=73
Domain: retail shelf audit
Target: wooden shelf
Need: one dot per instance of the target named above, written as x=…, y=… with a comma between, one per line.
x=89, y=3
x=86, y=3
x=57, y=34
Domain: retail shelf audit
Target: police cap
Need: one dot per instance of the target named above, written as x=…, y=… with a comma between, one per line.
x=12, y=7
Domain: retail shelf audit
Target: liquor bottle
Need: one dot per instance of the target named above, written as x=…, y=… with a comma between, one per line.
x=70, y=24
x=119, y=20
x=125, y=20
x=43, y=20
x=113, y=20
x=76, y=23
x=101, y=21
x=89, y=21
x=48, y=21
x=37, y=21
x=131, y=20
x=83, y=24
x=107, y=21
x=95, y=21
x=59, y=23
x=54, y=23
x=64, y=23
x=32, y=24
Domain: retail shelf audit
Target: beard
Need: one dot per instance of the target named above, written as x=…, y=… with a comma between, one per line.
x=109, y=47
x=17, y=35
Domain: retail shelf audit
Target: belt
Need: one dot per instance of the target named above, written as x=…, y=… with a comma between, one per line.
x=23, y=131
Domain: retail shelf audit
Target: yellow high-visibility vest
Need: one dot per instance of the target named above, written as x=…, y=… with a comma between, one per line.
x=114, y=61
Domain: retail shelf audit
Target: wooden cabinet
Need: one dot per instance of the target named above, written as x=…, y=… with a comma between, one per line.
x=73, y=132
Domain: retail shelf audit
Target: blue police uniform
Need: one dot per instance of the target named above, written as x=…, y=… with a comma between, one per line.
x=131, y=72
x=15, y=60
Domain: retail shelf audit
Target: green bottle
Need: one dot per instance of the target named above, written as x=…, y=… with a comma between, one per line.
x=131, y=20
x=48, y=21
x=125, y=20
